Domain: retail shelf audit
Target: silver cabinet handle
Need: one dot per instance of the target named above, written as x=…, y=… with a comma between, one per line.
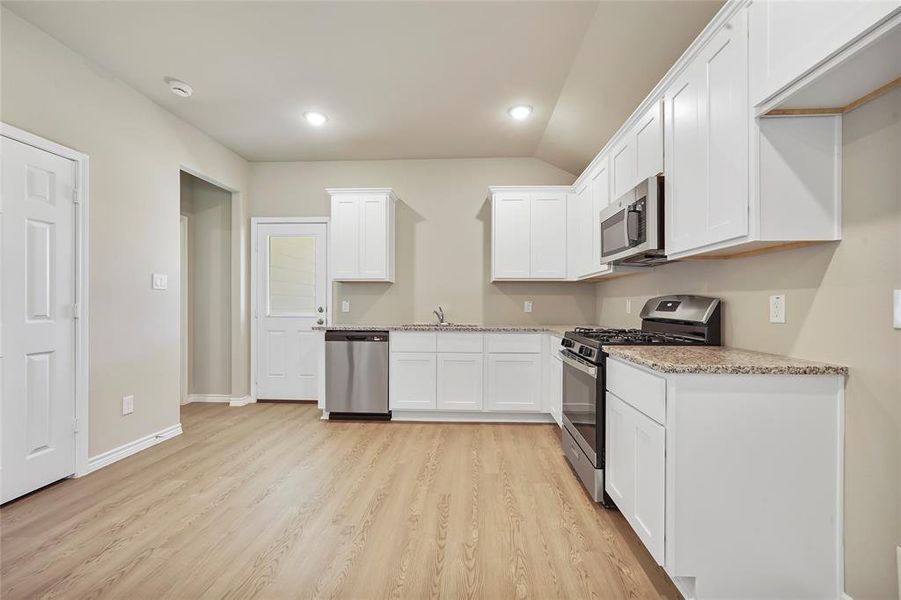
x=579, y=365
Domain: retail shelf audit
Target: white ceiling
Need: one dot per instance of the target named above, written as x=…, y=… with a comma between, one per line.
x=396, y=79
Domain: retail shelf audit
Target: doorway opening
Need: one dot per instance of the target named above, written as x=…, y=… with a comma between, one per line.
x=206, y=233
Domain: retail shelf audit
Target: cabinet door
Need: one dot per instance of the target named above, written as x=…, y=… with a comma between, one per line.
x=780, y=52
x=578, y=214
x=511, y=226
x=373, y=236
x=345, y=232
x=460, y=382
x=514, y=382
x=649, y=143
x=648, y=505
x=623, y=167
x=706, y=145
x=548, y=235
x=555, y=384
x=620, y=455
x=599, y=180
x=412, y=381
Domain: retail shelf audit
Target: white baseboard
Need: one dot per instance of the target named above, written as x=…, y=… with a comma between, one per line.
x=845, y=596
x=241, y=401
x=207, y=398
x=469, y=417
x=126, y=450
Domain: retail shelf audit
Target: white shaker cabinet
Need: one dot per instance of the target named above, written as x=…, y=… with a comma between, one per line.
x=362, y=234
x=460, y=382
x=638, y=154
x=412, y=381
x=579, y=231
x=528, y=233
x=707, y=121
x=599, y=181
x=514, y=382
x=788, y=39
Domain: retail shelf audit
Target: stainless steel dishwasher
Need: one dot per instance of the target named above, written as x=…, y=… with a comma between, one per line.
x=356, y=374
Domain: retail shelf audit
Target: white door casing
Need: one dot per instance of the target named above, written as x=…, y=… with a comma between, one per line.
x=39, y=265
x=290, y=297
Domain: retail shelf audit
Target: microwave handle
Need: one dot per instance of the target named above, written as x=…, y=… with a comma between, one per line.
x=633, y=224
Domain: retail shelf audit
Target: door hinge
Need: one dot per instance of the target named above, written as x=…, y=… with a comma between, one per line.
x=75, y=194
x=74, y=425
x=76, y=311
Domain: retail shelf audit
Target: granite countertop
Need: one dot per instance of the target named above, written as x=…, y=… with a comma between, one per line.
x=720, y=360
x=462, y=328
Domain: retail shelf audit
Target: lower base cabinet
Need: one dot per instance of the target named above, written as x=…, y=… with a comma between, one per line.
x=460, y=381
x=636, y=471
x=514, y=382
x=412, y=381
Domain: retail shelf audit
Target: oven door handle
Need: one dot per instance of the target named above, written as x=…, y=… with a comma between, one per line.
x=579, y=365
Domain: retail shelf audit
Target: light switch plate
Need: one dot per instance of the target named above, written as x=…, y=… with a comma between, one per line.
x=345, y=306
x=897, y=309
x=527, y=306
x=160, y=281
x=128, y=404
x=777, y=309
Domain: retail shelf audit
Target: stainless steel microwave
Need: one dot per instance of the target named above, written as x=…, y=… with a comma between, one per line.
x=632, y=226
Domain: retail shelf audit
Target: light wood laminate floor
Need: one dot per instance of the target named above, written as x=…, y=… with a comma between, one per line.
x=268, y=501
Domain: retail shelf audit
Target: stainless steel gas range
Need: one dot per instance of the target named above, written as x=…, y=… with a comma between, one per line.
x=677, y=320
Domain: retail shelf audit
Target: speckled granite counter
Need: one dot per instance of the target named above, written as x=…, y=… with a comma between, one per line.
x=463, y=328
x=720, y=360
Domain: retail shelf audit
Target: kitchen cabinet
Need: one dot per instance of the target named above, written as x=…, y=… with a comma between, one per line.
x=599, y=181
x=779, y=55
x=707, y=122
x=579, y=231
x=554, y=380
x=362, y=234
x=635, y=476
x=528, y=233
x=698, y=462
x=639, y=152
x=514, y=382
x=460, y=382
x=412, y=381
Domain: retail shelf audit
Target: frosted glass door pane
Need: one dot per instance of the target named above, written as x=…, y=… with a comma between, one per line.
x=292, y=275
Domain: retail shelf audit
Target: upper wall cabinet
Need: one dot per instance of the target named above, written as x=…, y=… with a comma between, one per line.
x=528, y=233
x=735, y=183
x=639, y=153
x=788, y=39
x=362, y=234
x=707, y=121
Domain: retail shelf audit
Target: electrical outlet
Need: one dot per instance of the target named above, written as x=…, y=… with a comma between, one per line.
x=777, y=309
x=897, y=309
x=128, y=404
x=527, y=306
x=345, y=306
x=628, y=306
x=160, y=281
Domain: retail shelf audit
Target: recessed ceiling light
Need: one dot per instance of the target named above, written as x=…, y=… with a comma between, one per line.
x=180, y=88
x=520, y=112
x=317, y=119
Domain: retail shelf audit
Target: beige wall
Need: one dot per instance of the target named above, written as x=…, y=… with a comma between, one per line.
x=443, y=227
x=208, y=209
x=838, y=299
x=136, y=150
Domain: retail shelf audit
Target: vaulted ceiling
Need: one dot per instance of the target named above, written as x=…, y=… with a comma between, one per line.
x=396, y=79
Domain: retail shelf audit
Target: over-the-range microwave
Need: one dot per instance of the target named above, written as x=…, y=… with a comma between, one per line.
x=632, y=226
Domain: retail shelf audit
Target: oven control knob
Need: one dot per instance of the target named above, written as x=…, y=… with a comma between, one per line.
x=566, y=343
x=587, y=352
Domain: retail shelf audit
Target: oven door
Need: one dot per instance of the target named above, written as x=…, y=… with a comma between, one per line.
x=580, y=403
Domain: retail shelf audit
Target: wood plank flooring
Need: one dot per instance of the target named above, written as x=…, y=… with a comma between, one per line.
x=268, y=501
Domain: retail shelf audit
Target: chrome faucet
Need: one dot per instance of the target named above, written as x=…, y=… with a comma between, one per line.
x=440, y=314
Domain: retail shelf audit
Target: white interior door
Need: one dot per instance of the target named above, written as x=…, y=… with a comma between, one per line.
x=37, y=348
x=291, y=296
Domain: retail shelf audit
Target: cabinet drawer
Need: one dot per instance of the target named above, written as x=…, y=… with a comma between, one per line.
x=404, y=341
x=641, y=390
x=513, y=342
x=460, y=342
